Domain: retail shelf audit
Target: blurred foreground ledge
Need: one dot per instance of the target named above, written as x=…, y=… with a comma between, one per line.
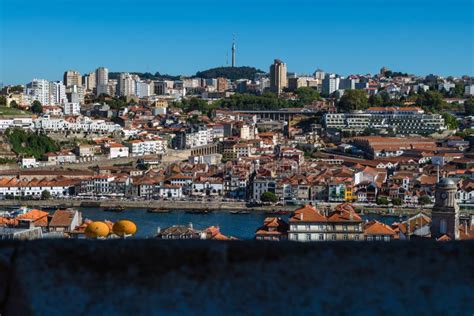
x=136, y=277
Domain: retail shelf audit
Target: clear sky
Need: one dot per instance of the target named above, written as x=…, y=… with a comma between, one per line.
x=42, y=39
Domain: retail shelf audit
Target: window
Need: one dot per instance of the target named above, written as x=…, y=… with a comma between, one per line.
x=356, y=237
x=333, y=237
x=321, y=236
x=308, y=236
x=442, y=226
x=346, y=237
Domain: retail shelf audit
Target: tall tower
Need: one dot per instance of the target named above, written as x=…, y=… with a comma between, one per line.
x=445, y=213
x=278, y=80
x=233, y=51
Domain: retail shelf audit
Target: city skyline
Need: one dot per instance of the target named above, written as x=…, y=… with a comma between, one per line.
x=403, y=36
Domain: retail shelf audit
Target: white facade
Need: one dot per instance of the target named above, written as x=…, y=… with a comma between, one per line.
x=127, y=84
x=117, y=151
x=58, y=93
x=72, y=108
x=147, y=147
x=403, y=122
x=38, y=89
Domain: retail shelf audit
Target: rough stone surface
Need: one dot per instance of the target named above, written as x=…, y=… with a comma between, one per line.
x=145, y=277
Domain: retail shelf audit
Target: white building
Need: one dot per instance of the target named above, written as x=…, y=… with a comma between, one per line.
x=127, y=84
x=22, y=187
x=29, y=162
x=330, y=84
x=469, y=90
x=147, y=147
x=102, y=80
x=116, y=150
x=57, y=93
x=401, y=120
x=144, y=89
x=72, y=108
x=38, y=89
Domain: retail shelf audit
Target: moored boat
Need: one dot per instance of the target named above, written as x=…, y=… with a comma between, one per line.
x=159, y=210
x=116, y=209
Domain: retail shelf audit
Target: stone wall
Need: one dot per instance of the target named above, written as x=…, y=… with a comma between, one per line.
x=144, y=277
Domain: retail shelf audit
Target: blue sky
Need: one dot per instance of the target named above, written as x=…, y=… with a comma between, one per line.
x=42, y=39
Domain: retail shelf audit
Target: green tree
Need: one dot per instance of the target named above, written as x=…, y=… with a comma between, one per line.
x=376, y=100
x=423, y=200
x=353, y=100
x=29, y=143
x=268, y=197
x=45, y=195
x=458, y=90
x=16, y=89
x=3, y=100
x=306, y=95
x=450, y=121
x=382, y=201
x=469, y=106
x=397, y=201
x=13, y=104
x=431, y=100
x=36, y=107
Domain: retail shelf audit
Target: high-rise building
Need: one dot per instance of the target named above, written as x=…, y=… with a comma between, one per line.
x=102, y=80
x=330, y=83
x=144, y=89
x=221, y=84
x=38, y=89
x=72, y=78
x=57, y=92
x=127, y=84
x=278, y=79
x=319, y=74
x=75, y=94
x=89, y=81
x=445, y=212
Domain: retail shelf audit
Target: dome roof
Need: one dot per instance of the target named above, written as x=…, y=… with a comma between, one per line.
x=446, y=182
x=97, y=229
x=124, y=227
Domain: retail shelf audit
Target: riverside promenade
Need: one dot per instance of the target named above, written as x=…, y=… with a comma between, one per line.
x=206, y=205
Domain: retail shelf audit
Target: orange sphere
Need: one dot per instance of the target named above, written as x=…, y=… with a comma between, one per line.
x=96, y=230
x=124, y=227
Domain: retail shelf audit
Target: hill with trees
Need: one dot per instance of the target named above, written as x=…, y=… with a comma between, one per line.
x=146, y=75
x=232, y=73
x=30, y=144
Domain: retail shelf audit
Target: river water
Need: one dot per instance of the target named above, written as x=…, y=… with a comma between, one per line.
x=240, y=226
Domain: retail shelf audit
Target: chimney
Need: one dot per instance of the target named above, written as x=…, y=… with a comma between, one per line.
x=190, y=225
x=301, y=216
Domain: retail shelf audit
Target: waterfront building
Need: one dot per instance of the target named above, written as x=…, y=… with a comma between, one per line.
x=274, y=229
x=310, y=224
x=377, y=231
x=179, y=232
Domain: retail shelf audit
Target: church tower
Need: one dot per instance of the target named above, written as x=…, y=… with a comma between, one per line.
x=445, y=213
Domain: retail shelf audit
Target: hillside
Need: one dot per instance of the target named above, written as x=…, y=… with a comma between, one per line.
x=232, y=73
x=146, y=75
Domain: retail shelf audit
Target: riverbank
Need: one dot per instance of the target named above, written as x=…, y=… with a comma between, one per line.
x=207, y=205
